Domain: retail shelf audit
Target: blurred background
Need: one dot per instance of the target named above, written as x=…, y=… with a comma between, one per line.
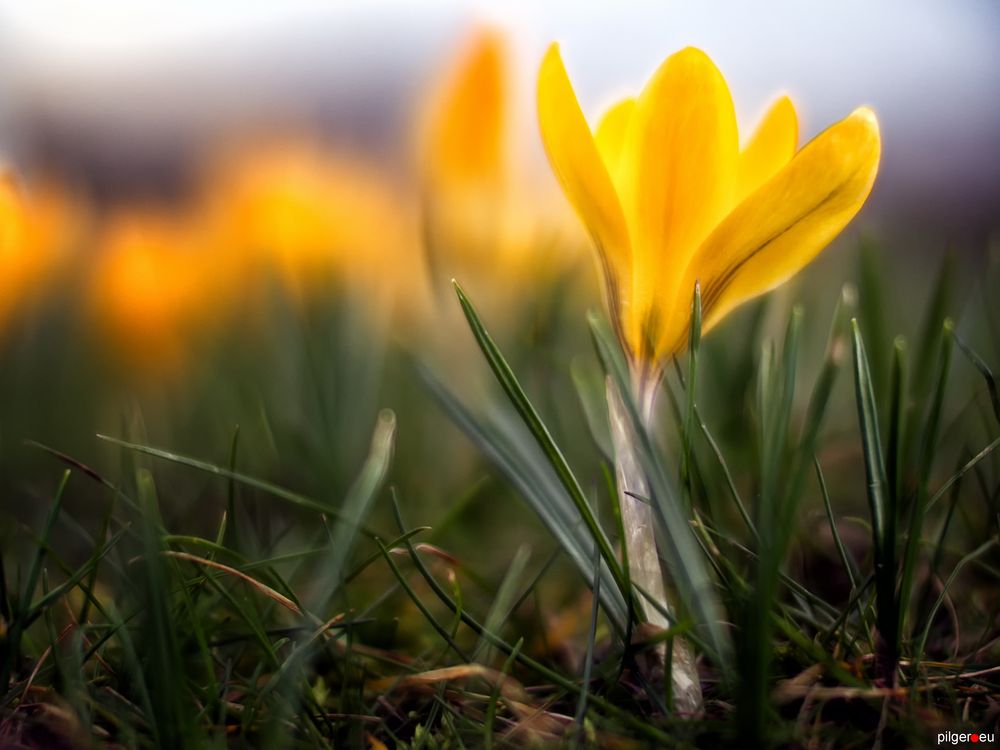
x=124, y=96
x=244, y=215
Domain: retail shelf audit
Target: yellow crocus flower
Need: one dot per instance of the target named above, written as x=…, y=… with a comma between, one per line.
x=36, y=229
x=466, y=136
x=310, y=214
x=152, y=292
x=485, y=215
x=670, y=198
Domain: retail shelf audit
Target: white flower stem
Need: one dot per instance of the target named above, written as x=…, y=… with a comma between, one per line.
x=640, y=539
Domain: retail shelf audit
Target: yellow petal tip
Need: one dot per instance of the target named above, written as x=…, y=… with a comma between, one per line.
x=552, y=65
x=867, y=114
x=690, y=52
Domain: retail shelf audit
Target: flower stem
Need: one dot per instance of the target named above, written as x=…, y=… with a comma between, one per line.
x=640, y=540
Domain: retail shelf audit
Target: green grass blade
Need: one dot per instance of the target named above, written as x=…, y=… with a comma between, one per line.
x=508, y=381
x=159, y=626
x=22, y=616
x=872, y=291
x=504, y=602
x=788, y=500
x=871, y=442
x=980, y=364
x=535, y=481
x=836, y=347
x=36, y=564
x=929, y=438
x=939, y=547
x=879, y=506
x=590, y=392
x=896, y=459
x=774, y=515
x=971, y=464
x=588, y=662
x=232, y=537
x=845, y=559
x=401, y=579
x=741, y=507
x=974, y=555
x=491, y=709
x=694, y=342
x=937, y=312
x=70, y=583
x=628, y=718
x=356, y=506
x=288, y=496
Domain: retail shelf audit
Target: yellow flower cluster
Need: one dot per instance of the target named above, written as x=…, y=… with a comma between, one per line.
x=313, y=220
x=662, y=185
x=156, y=281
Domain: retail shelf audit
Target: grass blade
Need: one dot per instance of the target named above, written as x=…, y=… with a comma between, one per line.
x=356, y=505
x=504, y=602
x=694, y=341
x=588, y=661
x=874, y=327
x=918, y=510
x=897, y=430
x=937, y=312
x=980, y=364
x=10, y=641
x=974, y=555
x=286, y=495
x=535, y=481
x=879, y=506
x=508, y=381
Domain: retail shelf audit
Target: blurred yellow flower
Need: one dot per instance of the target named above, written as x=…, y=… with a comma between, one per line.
x=153, y=290
x=307, y=213
x=670, y=198
x=36, y=231
x=485, y=216
x=467, y=132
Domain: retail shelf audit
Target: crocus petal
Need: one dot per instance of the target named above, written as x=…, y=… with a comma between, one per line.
x=610, y=133
x=678, y=177
x=11, y=210
x=467, y=122
x=13, y=253
x=580, y=169
x=785, y=224
x=770, y=148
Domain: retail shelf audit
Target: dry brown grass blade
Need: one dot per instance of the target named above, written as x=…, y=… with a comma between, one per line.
x=797, y=686
x=967, y=675
x=509, y=687
x=42, y=659
x=267, y=591
x=430, y=550
x=513, y=693
x=803, y=685
x=786, y=693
